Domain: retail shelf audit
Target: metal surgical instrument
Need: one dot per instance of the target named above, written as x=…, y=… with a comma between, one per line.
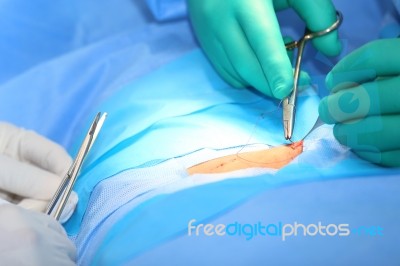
x=60, y=198
x=289, y=103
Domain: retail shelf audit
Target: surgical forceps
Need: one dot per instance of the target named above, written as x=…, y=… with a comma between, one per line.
x=60, y=198
x=289, y=103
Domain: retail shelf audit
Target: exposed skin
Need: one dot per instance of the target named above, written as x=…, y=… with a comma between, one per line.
x=275, y=158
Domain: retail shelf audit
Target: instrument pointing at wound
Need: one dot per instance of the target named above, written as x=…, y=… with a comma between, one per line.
x=289, y=103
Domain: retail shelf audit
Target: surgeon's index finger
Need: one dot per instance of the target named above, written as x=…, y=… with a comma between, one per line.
x=319, y=15
x=261, y=28
x=26, y=180
x=375, y=59
x=44, y=153
x=370, y=99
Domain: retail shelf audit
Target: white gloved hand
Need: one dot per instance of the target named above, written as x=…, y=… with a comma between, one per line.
x=31, y=168
x=32, y=238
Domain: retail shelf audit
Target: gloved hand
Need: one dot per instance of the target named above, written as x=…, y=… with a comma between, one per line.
x=243, y=41
x=364, y=105
x=32, y=238
x=31, y=168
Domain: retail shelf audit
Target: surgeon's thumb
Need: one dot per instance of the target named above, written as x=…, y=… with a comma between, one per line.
x=282, y=85
x=278, y=71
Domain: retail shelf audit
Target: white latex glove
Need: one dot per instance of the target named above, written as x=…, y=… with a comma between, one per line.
x=32, y=238
x=31, y=168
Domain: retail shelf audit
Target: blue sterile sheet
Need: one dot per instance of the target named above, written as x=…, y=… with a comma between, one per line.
x=179, y=109
x=138, y=61
x=196, y=110
x=58, y=83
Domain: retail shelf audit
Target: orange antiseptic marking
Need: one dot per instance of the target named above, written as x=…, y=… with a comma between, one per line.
x=275, y=158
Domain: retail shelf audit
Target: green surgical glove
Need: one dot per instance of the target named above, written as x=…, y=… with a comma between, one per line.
x=364, y=104
x=243, y=41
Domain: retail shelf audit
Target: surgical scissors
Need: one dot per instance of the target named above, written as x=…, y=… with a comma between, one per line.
x=60, y=198
x=289, y=103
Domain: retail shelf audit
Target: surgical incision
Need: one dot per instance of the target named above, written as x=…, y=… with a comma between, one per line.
x=274, y=158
